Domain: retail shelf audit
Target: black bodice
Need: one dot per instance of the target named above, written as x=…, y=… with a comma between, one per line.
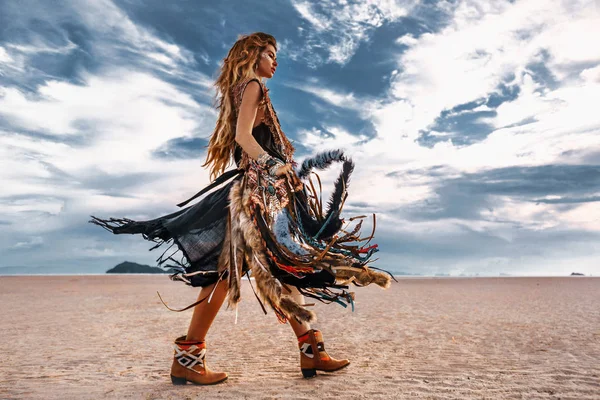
x=262, y=134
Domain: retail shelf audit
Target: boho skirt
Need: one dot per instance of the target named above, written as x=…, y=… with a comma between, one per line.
x=276, y=230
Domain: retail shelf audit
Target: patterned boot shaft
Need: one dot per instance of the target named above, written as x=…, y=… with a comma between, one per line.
x=313, y=356
x=189, y=364
x=190, y=354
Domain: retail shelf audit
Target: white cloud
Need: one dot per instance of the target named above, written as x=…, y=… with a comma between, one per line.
x=4, y=56
x=31, y=243
x=482, y=46
x=111, y=120
x=407, y=40
x=342, y=100
x=336, y=137
x=116, y=39
x=89, y=134
x=43, y=48
x=124, y=96
x=316, y=20
x=591, y=74
x=339, y=26
x=104, y=17
x=470, y=57
x=542, y=216
x=128, y=115
x=10, y=64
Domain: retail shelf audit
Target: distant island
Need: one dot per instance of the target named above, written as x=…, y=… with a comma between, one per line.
x=577, y=274
x=127, y=267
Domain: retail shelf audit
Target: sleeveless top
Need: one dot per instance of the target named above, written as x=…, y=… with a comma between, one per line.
x=268, y=133
x=271, y=138
x=268, y=193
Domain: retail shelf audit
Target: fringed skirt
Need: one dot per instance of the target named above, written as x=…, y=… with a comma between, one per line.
x=276, y=230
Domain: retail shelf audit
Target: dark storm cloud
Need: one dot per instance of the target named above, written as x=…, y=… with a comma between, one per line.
x=54, y=44
x=121, y=183
x=540, y=72
x=568, y=200
x=504, y=93
x=434, y=171
x=369, y=70
x=86, y=131
x=473, y=251
x=538, y=180
x=466, y=125
x=592, y=158
x=466, y=196
x=415, y=246
x=182, y=148
x=466, y=128
x=361, y=204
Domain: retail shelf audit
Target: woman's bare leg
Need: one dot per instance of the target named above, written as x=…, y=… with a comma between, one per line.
x=188, y=348
x=299, y=328
x=205, y=312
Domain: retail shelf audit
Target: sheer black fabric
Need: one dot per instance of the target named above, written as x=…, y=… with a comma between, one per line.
x=198, y=230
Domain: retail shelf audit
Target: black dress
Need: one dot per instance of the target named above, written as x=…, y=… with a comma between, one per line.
x=275, y=229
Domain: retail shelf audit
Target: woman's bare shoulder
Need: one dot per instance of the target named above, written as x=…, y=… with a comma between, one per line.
x=251, y=89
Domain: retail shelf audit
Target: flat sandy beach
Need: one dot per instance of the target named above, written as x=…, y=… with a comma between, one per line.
x=80, y=337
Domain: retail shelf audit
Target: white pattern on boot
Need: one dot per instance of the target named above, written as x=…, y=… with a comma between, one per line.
x=305, y=348
x=189, y=360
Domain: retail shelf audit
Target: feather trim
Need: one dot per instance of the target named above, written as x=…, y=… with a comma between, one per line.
x=268, y=287
x=365, y=277
x=331, y=222
x=231, y=259
x=320, y=161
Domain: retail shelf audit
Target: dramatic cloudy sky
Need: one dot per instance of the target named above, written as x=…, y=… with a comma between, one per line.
x=474, y=125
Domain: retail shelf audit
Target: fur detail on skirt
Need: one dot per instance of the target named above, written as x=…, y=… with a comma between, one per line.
x=243, y=243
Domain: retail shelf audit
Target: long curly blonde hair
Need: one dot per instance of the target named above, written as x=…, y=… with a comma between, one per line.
x=239, y=65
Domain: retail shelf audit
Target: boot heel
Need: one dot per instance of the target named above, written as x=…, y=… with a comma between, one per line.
x=309, y=372
x=178, y=381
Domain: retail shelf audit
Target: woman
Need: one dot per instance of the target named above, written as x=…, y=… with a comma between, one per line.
x=267, y=221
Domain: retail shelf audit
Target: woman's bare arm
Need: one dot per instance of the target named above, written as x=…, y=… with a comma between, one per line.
x=245, y=120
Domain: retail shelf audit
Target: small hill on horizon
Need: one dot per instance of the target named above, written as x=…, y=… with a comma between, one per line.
x=128, y=267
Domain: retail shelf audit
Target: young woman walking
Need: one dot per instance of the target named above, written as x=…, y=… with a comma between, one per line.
x=266, y=220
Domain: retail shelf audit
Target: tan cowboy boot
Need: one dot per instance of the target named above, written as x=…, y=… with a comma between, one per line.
x=189, y=364
x=313, y=356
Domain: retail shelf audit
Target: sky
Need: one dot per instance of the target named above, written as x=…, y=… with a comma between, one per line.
x=474, y=125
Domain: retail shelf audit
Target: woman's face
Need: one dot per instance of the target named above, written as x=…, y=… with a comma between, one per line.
x=267, y=62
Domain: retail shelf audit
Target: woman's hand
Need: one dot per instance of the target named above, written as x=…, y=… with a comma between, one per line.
x=288, y=172
x=283, y=170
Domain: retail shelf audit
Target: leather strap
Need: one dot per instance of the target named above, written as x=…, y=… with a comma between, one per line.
x=221, y=179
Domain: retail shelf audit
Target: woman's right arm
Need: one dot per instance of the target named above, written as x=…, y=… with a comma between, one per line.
x=245, y=122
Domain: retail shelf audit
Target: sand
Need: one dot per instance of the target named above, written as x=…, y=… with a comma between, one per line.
x=80, y=337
